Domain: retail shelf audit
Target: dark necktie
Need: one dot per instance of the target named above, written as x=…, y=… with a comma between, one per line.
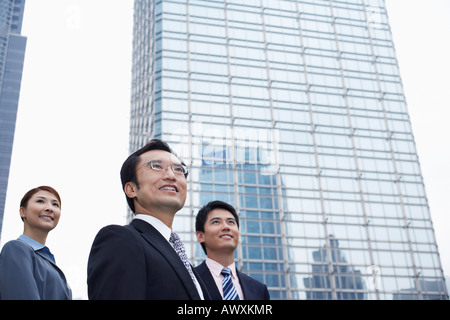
x=229, y=291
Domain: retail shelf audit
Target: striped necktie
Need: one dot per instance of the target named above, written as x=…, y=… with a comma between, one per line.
x=229, y=291
x=175, y=241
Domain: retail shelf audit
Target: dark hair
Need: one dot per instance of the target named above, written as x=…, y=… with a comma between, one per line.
x=202, y=214
x=128, y=171
x=32, y=192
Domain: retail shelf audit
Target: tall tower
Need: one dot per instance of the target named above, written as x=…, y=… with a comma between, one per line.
x=12, y=54
x=293, y=111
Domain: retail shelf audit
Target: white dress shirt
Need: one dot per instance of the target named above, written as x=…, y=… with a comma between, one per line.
x=216, y=269
x=165, y=232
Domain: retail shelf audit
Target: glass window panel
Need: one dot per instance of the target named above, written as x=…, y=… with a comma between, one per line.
x=175, y=26
x=270, y=253
x=268, y=227
x=272, y=280
x=254, y=253
x=252, y=226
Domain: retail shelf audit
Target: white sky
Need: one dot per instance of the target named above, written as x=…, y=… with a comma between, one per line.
x=73, y=118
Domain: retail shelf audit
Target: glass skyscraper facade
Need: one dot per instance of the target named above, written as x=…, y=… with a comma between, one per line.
x=12, y=54
x=293, y=111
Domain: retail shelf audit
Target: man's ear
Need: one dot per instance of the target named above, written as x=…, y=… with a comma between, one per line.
x=130, y=190
x=200, y=236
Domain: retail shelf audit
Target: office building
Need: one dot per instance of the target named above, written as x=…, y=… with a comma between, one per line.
x=12, y=54
x=293, y=111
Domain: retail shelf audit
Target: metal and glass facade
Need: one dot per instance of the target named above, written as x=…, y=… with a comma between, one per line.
x=12, y=53
x=293, y=112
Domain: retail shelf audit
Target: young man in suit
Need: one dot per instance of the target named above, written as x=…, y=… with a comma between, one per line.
x=145, y=260
x=217, y=229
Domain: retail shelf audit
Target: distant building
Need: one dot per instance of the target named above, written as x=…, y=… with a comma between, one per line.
x=447, y=282
x=350, y=281
x=430, y=286
x=293, y=111
x=12, y=54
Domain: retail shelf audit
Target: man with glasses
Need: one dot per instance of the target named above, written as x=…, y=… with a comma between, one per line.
x=145, y=259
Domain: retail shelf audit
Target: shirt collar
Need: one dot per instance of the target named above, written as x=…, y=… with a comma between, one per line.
x=216, y=268
x=36, y=246
x=156, y=223
x=32, y=243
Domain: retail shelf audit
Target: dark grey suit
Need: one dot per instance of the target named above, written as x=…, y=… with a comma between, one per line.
x=136, y=262
x=251, y=288
x=26, y=274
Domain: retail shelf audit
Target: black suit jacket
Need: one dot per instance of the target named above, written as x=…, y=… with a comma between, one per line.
x=136, y=262
x=251, y=288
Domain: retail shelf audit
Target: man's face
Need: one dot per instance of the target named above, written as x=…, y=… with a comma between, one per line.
x=159, y=191
x=221, y=232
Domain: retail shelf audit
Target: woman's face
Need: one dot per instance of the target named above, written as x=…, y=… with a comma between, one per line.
x=42, y=212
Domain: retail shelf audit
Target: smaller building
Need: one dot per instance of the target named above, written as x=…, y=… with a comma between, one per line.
x=12, y=54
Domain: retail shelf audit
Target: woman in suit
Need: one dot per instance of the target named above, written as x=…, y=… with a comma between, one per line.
x=27, y=268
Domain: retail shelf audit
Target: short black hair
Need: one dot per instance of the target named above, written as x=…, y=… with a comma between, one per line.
x=200, y=220
x=128, y=171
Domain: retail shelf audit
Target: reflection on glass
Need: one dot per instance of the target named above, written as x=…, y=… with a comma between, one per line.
x=432, y=290
x=293, y=112
x=348, y=281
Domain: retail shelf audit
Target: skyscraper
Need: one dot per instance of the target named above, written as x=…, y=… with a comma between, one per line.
x=293, y=111
x=12, y=54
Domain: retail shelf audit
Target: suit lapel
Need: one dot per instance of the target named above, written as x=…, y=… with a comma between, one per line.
x=244, y=286
x=46, y=258
x=206, y=293
x=157, y=241
x=208, y=279
x=52, y=263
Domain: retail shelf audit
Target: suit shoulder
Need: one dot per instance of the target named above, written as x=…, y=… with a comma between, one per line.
x=115, y=231
x=14, y=246
x=17, y=252
x=201, y=268
x=114, y=242
x=253, y=289
x=247, y=278
x=115, y=237
x=113, y=228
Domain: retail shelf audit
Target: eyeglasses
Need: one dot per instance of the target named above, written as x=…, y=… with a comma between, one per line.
x=158, y=165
